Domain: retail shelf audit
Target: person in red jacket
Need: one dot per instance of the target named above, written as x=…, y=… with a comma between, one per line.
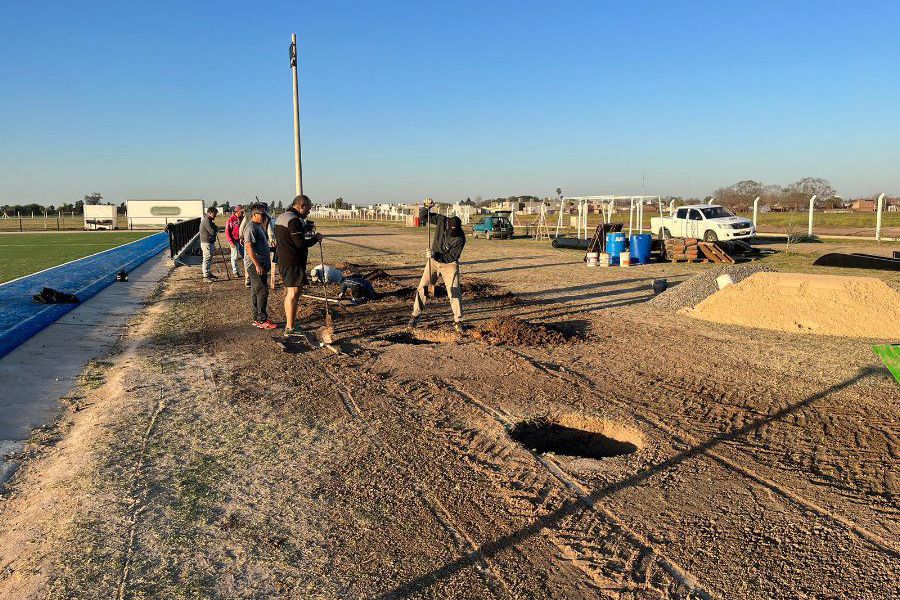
x=232, y=232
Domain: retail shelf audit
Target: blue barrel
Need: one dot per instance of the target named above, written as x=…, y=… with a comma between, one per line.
x=641, y=243
x=615, y=243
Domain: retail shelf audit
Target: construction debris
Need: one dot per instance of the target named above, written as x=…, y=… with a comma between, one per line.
x=694, y=250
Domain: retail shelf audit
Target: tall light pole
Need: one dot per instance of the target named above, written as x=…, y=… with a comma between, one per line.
x=298, y=170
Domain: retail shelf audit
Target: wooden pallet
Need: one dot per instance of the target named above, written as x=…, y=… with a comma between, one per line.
x=714, y=253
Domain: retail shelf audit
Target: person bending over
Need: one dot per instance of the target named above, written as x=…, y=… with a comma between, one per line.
x=293, y=239
x=443, y=257
x=258, y=262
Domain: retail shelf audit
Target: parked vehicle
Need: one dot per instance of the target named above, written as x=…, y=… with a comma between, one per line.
x=495, y=225
x=709, y=222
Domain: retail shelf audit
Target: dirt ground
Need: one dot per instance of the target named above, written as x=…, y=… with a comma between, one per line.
x=202, y=461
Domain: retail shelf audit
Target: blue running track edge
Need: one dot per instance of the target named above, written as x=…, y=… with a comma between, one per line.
x=21, y=317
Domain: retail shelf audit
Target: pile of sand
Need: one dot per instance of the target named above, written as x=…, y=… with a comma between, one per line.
x=821, y=304
x=511, y=331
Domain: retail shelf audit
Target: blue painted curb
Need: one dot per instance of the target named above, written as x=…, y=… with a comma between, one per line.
x=21, y=317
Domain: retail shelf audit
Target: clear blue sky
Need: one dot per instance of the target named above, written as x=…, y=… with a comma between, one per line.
x=453, y=99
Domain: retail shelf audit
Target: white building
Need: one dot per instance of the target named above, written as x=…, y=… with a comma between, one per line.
x=155, y=214
x=100, y=216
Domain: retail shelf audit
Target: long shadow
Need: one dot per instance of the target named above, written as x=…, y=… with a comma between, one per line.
x=578, y=288
x=493, y=260
x=333, y=238
x=519, y=268
x=489, y=549
x=343, y=235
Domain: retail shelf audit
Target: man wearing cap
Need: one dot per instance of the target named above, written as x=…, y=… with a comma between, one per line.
x=208, y=232
x=233, y=234
x=443, y=257
x=258, y=262
x=293, y=239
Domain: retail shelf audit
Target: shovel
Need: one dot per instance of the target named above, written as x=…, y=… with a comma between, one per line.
x=325, y=334
x=430, y=278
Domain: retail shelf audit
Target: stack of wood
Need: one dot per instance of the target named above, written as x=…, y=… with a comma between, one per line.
x=683, y=250
x=694, y=250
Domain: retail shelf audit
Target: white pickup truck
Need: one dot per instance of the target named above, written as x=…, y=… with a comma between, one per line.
x=709, y=222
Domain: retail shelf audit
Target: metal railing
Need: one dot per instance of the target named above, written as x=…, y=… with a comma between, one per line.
x=181, y=234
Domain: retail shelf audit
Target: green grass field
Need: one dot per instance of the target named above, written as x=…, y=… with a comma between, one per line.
x=24, y=253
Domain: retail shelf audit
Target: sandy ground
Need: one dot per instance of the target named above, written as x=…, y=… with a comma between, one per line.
x=201, y=461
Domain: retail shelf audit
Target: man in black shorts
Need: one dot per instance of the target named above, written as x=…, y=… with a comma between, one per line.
x=293, y=240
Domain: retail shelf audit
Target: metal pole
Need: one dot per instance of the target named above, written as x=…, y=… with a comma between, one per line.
x=812, y=203
x=298, y=170
x=878, y=218
x=755, y=211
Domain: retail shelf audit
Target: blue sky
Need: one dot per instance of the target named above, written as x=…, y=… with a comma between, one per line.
x=454, y=99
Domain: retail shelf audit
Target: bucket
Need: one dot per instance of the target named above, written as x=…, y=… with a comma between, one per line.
x=592, y=258
x=660, y=285
x=640, y=246
x=615, y=243
x=603, y=260
x=625, y=258
x=724, y=281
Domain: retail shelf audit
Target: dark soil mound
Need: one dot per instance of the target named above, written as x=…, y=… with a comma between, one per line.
x=511, y=331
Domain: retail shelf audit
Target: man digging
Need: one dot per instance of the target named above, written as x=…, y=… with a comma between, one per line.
x=443, y=258
x=293, y=245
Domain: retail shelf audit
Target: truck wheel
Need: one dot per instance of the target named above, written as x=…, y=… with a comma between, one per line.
x=710, y=236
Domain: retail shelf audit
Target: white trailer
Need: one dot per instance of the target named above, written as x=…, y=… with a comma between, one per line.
x=155, y=214
x=100, y=216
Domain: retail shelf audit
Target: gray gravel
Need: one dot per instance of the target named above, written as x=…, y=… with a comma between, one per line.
x=699, y=287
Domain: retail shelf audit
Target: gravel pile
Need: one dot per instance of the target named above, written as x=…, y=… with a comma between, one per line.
x=699, y=287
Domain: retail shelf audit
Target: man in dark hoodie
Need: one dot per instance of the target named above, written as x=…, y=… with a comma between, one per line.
x=442, y=258
x=208, y=232
x=294, y=237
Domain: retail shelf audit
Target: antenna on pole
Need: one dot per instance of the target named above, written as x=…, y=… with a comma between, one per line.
x=298, y=170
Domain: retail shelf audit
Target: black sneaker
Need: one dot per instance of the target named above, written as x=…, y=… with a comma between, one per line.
x=412, y=322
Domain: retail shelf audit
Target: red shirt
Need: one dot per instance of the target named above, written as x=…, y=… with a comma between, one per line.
x=232, y=230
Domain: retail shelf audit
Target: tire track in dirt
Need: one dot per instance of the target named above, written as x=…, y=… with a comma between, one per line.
x=139, y=497
x=579, y=540
x=434, y=506
x=575, y=377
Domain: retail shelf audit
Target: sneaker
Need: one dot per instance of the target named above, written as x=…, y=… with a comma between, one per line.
x=268, y=325
x=412, y=322
x=288, y=332
x=246, y=283
x=257, y=324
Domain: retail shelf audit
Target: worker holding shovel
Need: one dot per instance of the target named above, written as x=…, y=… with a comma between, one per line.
x=442, y=257
x=293, y=240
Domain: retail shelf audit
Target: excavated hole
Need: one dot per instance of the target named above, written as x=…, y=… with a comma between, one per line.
x=404, y=337
x=576, y=437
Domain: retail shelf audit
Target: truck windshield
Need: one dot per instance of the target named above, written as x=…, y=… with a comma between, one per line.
x=716, y=212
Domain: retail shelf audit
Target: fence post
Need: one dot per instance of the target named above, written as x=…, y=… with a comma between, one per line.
x=878, y=217
x=812, y=203
x=57, y=220
x=755, y=211
x=20, y=224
